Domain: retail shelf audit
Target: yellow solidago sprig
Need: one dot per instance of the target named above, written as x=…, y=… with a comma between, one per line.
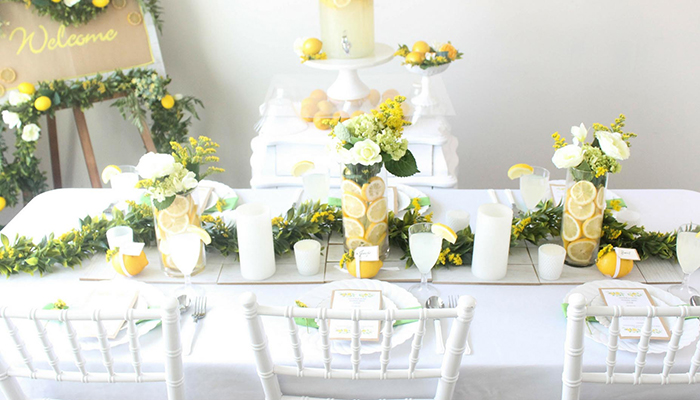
x=559, y=142
x=195, y=153
x=605, y=250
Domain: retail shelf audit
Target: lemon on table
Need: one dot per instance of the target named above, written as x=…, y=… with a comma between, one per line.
x=355, y=242
x=109, y=172
x=571, y=229
x=326, y=106
x=376, y=233
x=353, y=228
x=607, y=265
x=581, y=250
x=444, y=232
x=368, y=269
x=167, y=102
x=26, y=88
x=179, y=207
x=3, y=203
x=42, y=103
x=320, y=120
x=377, y=210
x=307, y=112
x=373, y=189
x=302, y=167
x=389, y=94
x=318, y=95
x=311, y=46
x=518, y=170
x=133, y=265
x=583, y=192
x=348, y=186
x=172, y=225
x=593, y=227
x=578, y=211
x=353, y=206
x=415, y=58
x=600, y=199
x=204, y=235
x=420, y=47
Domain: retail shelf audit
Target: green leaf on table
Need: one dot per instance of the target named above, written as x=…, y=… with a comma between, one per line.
x=406, y=166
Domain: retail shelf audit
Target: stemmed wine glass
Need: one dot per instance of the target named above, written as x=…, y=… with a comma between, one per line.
x=534, y=186
x=688, y=252
x=185, y=250
x=425, y=249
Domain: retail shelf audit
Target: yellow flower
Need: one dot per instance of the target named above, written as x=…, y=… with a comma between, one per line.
x=443, y=256
x=605, y=250
x=279, y=222
x=207, y=219
x=416, y=204
x=616, y=204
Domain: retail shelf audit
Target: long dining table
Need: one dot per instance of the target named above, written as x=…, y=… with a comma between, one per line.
x=517, y=334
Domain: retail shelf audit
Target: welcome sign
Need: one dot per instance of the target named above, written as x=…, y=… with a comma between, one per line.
x=37, y=48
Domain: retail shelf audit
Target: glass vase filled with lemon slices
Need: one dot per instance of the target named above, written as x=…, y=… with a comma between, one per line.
x=182, y=216
x=347, y=28
x=365, y=207
x=582, y=221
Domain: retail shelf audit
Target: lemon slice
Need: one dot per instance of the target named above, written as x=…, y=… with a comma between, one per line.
x=518, y=170
x=374, y=189
x=444, y=232
x=593, y=227
x=580, y=212
x=376, y=233
x=355, y=242
x=581, y=250
x=600, y=199
x=179, y=207
x=348, y=186
x=353, y=227
x=583, y=192
x=173, y=225
x=571, y=229
x=302, y=167
x=353, y=206
x=204, y=235
x=109, y=172
x=341, y=3
x=377, y=210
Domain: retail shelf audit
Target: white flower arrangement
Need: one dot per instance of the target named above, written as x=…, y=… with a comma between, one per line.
x=11, y=119
x=16, y=98
x=30, y=133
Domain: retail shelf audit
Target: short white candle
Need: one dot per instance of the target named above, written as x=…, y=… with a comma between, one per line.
x=119, y=236
x=550, y=261
x=457, y=220
x=627, y=216
x=255, y=245
x=307, y=254
x=492, y=241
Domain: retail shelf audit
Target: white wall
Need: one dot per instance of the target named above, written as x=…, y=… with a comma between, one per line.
x=530, y=68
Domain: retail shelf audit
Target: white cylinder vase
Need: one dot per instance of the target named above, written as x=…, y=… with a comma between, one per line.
x=492, y=241
x=256, y=250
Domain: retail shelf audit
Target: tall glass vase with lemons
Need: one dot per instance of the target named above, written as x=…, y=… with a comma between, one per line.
x=368, y=147
x=169, y=180
x=588, y=167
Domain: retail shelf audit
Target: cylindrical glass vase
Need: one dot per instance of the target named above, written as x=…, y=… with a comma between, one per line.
x=347, y=28
x=582, y=221
x=365, y=207
x=173, y=220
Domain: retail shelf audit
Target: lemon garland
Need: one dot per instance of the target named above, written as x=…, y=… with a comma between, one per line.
x=146, y=91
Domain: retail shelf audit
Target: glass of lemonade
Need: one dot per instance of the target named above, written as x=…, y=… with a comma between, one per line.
x=688, y=252
x=185, y=250
x=425, y=249
x=533, y=187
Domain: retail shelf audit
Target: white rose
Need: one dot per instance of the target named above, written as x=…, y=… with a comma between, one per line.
x=298, y=46
x=178, y=97
x=568, y=156
x=580, y=134
x=366, y=152
x=11, y=119
x=429, y=56
x=16, y=98
x=71, y=3
x=612, y=144
x=30, y=133
x=190, y=181
x=152, y=165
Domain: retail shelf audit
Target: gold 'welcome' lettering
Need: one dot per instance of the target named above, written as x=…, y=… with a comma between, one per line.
x=27, y=40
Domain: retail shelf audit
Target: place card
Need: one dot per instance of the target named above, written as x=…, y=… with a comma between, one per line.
x=627, y=254
x=351, y=299
x=366, y=253
x=631, y=327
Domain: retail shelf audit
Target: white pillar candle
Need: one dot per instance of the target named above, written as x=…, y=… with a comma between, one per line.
x=256, y=249
x=550, y=261
x=457, y=220
x=307, y=254
x=492, y=241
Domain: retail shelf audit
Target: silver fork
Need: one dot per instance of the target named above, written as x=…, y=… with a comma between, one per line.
x=200, y=311
x=452, y=302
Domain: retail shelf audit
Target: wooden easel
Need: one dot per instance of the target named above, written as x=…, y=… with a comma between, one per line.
x=86, y=144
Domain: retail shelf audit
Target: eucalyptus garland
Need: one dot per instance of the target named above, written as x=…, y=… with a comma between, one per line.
x=145, y=91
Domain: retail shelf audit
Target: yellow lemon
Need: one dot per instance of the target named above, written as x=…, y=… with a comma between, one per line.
x=415, y=58
x=348, y=186
x=311, y=46
x=444, y=232
x=578, y=211
x=373, y=189
x=204, y=235
x=326, y=106
x=376, y=233
x=377, y=210
x=353, y=206
x=3, y=203
x=26, y=88
x=342, y=115
x=109, y=172
x=571, y=229
x=368, y=269
x=600, y=199
x=356, y=113
x=57, y=1
x=302, y=167
x=518, y=170
x=355, y=242
x=607, y=265
x=593, y=227
x=100, y=3
x=583, y=192
x=389, y=94
x=353, y=228
x=308, y=102
x=318, y=95
x=420, y=47
x=132, y=264
x=374, y=97
x=179, y=207
x=42, y=103
x=319, y=121
x=581, y=250
x=450, y=49
x=307, y=112
x=167, y=102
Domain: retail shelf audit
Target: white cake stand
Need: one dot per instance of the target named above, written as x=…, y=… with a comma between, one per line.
x=348, y=85
x=425, y=99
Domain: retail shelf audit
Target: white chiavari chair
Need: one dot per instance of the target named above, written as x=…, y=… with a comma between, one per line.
x=573, y=375
x=268, y=370
x=173, y=375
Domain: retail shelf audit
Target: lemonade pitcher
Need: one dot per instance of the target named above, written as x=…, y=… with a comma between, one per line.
x=347, y=28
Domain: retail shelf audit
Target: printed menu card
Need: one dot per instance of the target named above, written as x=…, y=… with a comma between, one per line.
x=348, y=299
x=631, y=327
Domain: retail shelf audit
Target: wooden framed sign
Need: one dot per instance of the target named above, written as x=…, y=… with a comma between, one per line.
x=35, y=48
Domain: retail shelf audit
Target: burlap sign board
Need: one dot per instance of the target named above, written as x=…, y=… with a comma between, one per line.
x=37, y=48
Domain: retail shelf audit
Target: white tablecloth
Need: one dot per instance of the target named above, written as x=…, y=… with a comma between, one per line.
x=517, y=334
